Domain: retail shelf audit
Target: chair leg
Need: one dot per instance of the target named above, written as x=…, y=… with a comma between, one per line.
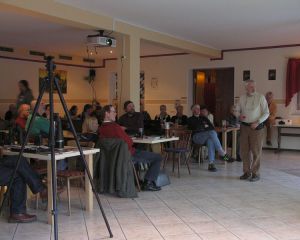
x=178, y=166
x=165, y=160
x=136, y=178
x=69, y=196
x=2, y=192
x=173, y=156
x=82, y=182
x=187, y=164
x=200, y=159
x=37, y=196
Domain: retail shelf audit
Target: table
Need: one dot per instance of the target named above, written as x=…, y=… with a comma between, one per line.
x=70, y=152
x=280, y=133
x=224, y=132
x=153, y=140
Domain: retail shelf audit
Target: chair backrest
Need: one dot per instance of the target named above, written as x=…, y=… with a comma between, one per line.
x=184, y=137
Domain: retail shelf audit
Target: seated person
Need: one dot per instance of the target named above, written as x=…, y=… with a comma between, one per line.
x=24, y=176
x=74, y=112
x=146, y=115
x=205, y=113
x=271, y=119
x=131, y=121
x=23, y=113
x=46, y=114
x=233, y=121
x=179, y=118
x=204, y=133
x=11, y=114
x=87, y=110
x=41, y=127
x=90, y=124
x=110, y=129
x=163, y=116
x=90, y=127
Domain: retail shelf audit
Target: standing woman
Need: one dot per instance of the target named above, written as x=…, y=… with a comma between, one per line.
x=25, y=96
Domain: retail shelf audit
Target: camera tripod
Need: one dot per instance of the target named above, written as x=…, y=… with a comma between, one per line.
x=49, y=83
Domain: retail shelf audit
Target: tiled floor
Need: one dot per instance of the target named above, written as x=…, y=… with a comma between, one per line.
x=208, y=206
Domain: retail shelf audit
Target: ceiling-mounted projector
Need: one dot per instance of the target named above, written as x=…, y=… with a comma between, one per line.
x=101, y=41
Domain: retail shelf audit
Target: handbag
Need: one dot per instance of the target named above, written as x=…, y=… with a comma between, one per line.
x=162, y=179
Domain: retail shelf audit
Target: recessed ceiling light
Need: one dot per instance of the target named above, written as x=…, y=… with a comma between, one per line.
x=111, y=51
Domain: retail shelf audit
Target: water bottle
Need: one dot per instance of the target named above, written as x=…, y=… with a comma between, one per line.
x=59, y=136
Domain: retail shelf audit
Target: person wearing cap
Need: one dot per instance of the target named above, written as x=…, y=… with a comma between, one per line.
x=131, y=120
x=254, y=111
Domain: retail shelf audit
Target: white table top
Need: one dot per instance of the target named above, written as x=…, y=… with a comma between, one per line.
x=69, y=152
x=153, y=140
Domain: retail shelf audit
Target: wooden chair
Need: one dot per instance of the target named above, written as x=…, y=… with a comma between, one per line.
x=68, y=175
x=180, y=148
x=199, y=148
x=2, y=192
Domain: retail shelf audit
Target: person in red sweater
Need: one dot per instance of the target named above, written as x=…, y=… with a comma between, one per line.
x=23, y=113
x=110, y=129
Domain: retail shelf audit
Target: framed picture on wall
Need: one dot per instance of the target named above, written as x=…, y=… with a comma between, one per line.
x=61, y=75
x=246, y=75
x=272, y=74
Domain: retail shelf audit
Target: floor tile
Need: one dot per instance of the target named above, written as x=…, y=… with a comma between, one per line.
x=204, y=205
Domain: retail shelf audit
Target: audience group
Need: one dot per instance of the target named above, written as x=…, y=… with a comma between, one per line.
x=250, y=114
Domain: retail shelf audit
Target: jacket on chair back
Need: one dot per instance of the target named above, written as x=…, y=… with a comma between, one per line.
x=113, y=168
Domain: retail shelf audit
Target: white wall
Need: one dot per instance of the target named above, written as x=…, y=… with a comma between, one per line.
x=78, y=90
x=174, y=75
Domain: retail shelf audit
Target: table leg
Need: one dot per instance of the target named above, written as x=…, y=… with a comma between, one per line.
x=49, y=186
x=224, y=140
x=88, y=187
x=278, y=138
x=234, y=142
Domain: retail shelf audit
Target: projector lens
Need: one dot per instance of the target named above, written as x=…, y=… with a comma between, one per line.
x=109, y=42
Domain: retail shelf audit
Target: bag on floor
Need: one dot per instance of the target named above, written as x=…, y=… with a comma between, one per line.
x=162, y=179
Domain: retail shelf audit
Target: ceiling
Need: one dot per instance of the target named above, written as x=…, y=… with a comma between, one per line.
x=220, y=24
x=33, y=33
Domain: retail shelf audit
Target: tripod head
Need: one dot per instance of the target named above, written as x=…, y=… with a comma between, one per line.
x=50, y=66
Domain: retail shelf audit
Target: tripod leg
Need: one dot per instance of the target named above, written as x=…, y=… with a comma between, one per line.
x=24, y=143
x=88, y=173
x=50, y=67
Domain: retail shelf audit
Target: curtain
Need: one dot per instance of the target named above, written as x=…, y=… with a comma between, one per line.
x=210, y=96
x=292, y=79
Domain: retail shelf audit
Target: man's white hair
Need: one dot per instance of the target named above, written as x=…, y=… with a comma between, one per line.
x=249, y=81
x=194, y=106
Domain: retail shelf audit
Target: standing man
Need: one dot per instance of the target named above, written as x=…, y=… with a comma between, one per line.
x=271, y=119
x=254, y=111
